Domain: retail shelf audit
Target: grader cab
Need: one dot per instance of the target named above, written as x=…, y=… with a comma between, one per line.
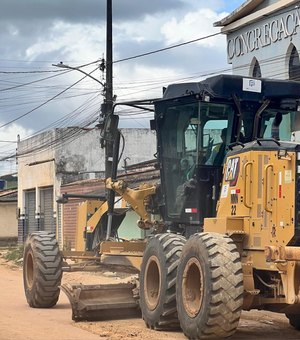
x=223, y=221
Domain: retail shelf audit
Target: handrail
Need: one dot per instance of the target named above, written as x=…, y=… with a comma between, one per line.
x=248, y=164
x=266, y=182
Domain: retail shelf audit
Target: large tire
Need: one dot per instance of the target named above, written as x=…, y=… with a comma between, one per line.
x=294, y=320
x=209, y=287
x=158, y=281
x=42, y=270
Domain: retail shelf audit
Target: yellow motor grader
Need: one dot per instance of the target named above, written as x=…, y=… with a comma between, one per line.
x=224, y=223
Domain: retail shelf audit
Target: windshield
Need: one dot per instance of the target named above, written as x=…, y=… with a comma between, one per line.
x=273, y=122
x=277, y=124
x=192, y=130
x=192, y=135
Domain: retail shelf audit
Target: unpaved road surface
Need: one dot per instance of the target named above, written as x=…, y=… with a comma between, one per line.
x=19, y=322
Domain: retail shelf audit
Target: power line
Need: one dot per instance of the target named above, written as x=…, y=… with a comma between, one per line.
x=85, y=108
x=199, y=75
x=38, y=61
x=33, y=82
x=46, y=102
x=7, y=141
x=30, y=72
x=272, y=60
x=166, y=48
x=66, y=135
x=131, y=57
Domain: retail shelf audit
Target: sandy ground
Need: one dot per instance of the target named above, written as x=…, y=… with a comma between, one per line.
x=19, y=322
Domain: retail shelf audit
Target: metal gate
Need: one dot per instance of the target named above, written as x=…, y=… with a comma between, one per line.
x=30, y=221
x=46, y=213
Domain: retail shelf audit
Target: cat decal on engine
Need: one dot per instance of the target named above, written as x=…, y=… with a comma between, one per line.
x=232, y=171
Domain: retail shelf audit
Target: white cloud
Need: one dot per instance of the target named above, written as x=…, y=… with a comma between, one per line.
x=79, y=38
x=12, y=30
x=76, y=43
x=147, y=30
x=151, y=81
x=194, y=25
x=8, y=139
x=12, y=131
x=73, y=41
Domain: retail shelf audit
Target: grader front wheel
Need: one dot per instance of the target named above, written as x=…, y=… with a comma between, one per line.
x=42, y=270
x=158, y=281
x=209, y=287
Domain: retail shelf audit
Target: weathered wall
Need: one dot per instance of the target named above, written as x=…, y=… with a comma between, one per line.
x=31, y=175
x=8, y=220
x=83, y=157
x=79, y=156
x=140, y=145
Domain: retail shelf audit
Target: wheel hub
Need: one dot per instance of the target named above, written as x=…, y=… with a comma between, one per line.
x=29, y=269
x=152, y=282
x=192, y=287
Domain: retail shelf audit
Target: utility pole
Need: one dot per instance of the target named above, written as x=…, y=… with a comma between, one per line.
x=109, y=122
x=109, y=58
x=111, y=132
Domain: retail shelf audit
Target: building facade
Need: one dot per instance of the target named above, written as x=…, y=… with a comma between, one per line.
x=54, y=158
x=8, y=217
x=263, y=39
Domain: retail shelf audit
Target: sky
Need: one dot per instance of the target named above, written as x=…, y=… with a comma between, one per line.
x=36, y=96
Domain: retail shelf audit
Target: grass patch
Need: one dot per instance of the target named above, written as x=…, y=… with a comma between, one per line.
x=14, y=254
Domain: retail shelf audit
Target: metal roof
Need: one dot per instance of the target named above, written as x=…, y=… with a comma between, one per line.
x=9, y=196
x=225, y=86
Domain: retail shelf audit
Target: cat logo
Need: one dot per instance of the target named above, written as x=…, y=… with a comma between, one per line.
x=232, y=171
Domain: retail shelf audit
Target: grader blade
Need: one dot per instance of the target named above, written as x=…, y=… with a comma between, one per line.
x=102, y=302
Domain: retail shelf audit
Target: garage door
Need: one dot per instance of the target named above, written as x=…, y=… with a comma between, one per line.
x=30, y=221
x=47, y=220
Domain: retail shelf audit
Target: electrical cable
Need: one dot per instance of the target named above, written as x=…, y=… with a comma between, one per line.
x=72, y=116
x=269, y=60
x=166, y=48
x=123, y=146
x=46, y=102
x=30, y=72
x=33, y=82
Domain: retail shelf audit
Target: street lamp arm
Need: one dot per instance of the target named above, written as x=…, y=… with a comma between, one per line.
x=61, y=65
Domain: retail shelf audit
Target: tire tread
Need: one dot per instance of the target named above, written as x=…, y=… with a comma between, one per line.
x=48, y=270
x=226, y=299
x=172, y=245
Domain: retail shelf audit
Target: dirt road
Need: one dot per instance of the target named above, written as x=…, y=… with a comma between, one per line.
x=19, y=322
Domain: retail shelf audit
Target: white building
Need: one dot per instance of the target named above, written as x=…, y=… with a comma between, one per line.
x=8, y=220
x=263, y=39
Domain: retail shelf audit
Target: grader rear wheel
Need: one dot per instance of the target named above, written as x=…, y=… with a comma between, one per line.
x=42, y=270
x=158, y=281
x=209, y=287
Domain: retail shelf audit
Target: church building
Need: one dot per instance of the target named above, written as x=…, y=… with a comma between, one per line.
x=263, y=39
